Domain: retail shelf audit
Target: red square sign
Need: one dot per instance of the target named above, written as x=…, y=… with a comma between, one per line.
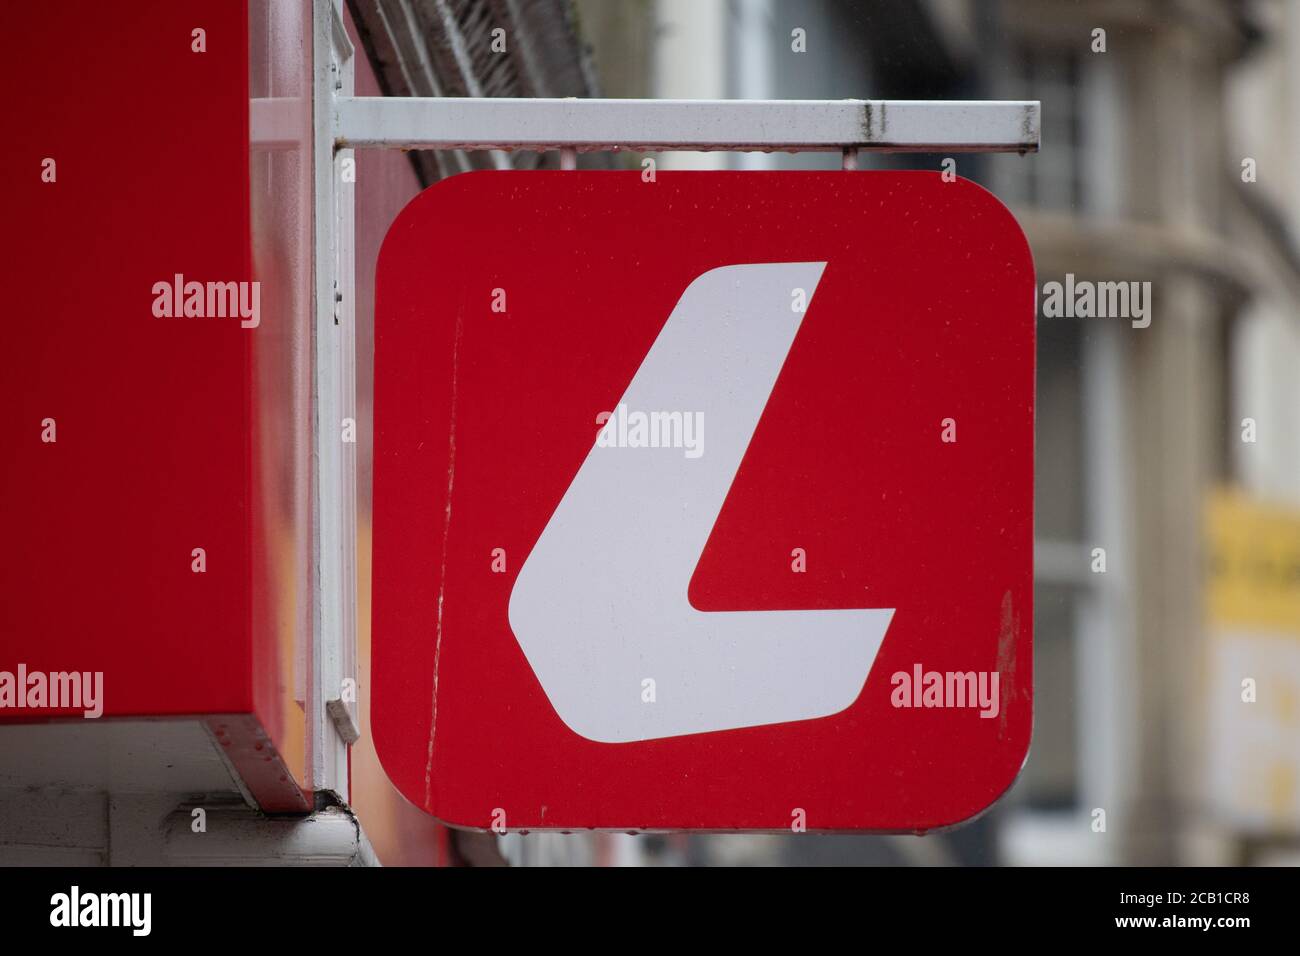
x=703, y=502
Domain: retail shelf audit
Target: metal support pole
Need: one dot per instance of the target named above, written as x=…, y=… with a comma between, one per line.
x=331, y=719
x=697, y=125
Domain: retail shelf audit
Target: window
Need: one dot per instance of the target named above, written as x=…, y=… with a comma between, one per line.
x=1055, y=179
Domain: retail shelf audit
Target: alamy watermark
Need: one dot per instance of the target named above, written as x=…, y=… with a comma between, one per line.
x=922, y=688
x=57, y=690
x=75, y=908
x=180, y=299
x=624, y=429
x=1084, y=299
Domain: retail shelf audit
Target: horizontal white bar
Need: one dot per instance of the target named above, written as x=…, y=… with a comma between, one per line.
x=654, y=125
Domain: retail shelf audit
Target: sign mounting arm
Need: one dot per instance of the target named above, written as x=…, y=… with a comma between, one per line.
x=1005, y=126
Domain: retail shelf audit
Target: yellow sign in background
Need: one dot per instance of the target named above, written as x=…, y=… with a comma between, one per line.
x=1253, y=599
x=1254, y=564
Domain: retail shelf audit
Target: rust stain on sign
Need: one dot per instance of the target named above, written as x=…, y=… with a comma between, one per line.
x=1006, y=663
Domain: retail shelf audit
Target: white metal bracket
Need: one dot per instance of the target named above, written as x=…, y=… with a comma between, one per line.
x=697, y=125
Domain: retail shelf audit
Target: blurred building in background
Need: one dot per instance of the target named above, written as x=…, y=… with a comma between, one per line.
x=1167, y=151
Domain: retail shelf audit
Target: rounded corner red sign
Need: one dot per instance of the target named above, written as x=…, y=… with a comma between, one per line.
x=703, y=500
